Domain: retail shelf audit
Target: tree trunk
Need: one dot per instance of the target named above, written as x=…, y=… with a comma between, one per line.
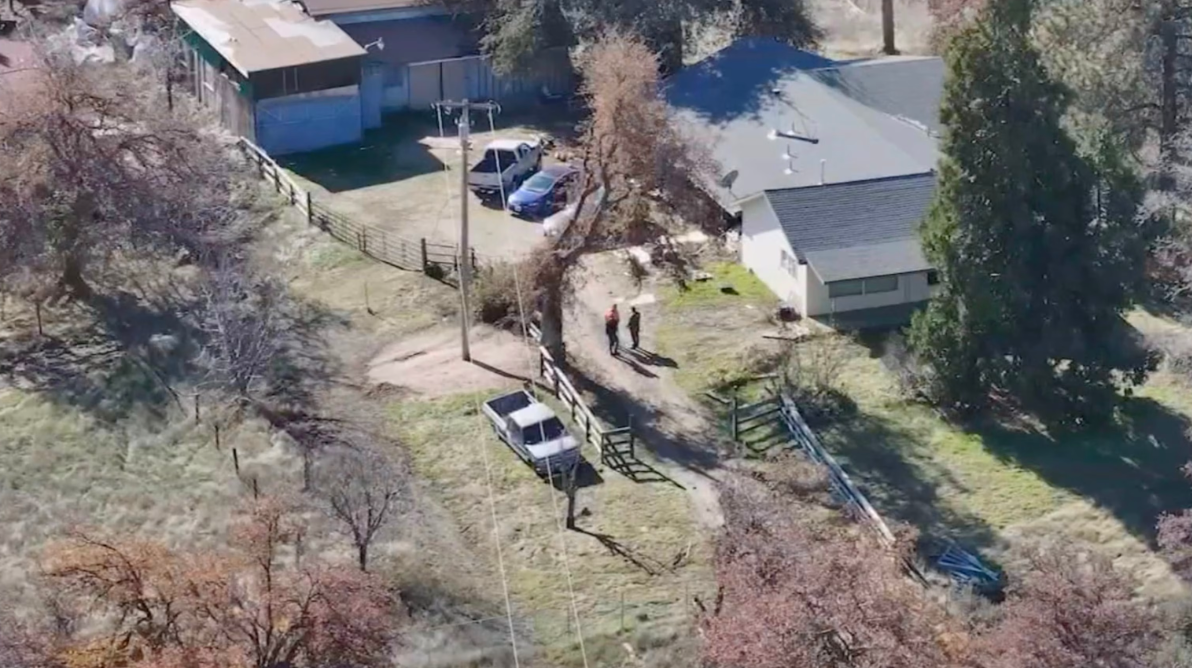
x=552, y=323
x=71, y=280
x=362, y=556
x=888, y=47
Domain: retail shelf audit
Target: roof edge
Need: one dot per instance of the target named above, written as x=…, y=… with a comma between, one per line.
x=878, y=179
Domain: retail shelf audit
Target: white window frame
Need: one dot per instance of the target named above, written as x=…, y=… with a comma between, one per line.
x=865, y=286
x=788, y=262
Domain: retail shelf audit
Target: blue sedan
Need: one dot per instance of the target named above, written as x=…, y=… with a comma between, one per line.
x=544, y=193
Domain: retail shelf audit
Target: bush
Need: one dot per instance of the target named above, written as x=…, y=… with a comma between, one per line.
x=495, y=295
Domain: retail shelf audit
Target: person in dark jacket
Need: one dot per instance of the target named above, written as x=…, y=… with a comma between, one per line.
x=635, y=326
x=612, y=321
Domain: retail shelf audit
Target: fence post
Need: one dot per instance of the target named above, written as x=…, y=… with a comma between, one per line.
x=422, y=242
x=556, y=377
x=236, y=460
x=474, y=265
x=277, y=177
x=632, y=441
x=733, y=426
x=293, y=193
x=310, y=210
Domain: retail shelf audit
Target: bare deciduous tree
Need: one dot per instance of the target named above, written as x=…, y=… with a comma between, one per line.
x=1071, y=610
x=94, y=171
x=640, y=172
x=242, y=320
x=244, y=608
x=800, y=587
x=362, y=490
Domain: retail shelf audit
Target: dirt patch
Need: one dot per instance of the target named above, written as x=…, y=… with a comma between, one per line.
x=641, y=383
x=429, y=364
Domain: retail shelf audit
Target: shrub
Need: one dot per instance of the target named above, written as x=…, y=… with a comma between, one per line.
x=495, y=295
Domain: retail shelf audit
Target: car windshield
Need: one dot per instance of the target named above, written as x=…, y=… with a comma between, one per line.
x=547, y=430
x=539, y=183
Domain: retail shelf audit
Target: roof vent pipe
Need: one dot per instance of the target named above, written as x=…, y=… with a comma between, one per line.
x=823, y=165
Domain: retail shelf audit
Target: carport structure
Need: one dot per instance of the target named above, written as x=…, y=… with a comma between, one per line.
x=286, y=81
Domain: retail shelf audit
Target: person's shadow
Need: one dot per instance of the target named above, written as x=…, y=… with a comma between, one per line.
x=650, y=358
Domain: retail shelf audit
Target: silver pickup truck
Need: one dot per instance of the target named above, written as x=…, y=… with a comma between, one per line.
x=534, y=432
x=506, y=162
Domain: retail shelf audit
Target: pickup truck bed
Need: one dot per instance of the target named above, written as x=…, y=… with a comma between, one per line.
x=506, y=404
x=533, y=431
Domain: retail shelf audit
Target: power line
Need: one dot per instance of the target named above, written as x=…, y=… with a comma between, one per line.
x=549, y=473
x=492, y=505
x=566, y=559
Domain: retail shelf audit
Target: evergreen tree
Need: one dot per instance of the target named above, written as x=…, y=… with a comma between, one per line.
x=1039, y=248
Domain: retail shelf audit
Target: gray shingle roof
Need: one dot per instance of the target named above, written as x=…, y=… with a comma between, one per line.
x=871, y=118
x=862, y=228
x=894, y=257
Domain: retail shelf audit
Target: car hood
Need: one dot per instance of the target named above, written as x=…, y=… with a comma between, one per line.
x=553, y=448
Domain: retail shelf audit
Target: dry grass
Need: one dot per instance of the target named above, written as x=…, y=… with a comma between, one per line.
x=449, y=440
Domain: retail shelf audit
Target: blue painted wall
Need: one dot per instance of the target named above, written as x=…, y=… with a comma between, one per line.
x=300, y=123
x=372, y=93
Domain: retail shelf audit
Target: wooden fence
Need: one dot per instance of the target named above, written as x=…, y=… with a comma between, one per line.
x=612, y=443
x=407, y=253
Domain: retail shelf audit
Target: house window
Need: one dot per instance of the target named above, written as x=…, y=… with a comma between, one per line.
x=881, y=284
x=933, y=277
x=862, y=286
x=846, y=288
x=788, y=262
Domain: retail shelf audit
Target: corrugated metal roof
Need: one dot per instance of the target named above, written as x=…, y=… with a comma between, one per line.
x=842, y=264
x=326, y=7
x=870, y=119
x=256, y=35
x=876, y=220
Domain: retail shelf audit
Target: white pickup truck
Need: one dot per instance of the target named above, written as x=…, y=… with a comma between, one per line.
x=506, y=162
x=532, y=430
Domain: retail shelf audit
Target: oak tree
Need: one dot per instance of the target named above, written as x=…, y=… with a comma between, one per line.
x=641, y=175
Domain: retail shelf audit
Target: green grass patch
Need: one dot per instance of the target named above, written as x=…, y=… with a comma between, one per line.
x=713, y=334
x=449, y=441
x=979, y=483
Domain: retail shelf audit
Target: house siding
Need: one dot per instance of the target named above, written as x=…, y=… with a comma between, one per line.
x=762, y=245
x=911, y=288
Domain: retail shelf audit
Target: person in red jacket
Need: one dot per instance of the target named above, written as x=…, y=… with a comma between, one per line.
x=612, y=321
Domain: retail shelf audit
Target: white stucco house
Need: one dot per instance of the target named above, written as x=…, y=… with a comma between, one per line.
x=829, y=167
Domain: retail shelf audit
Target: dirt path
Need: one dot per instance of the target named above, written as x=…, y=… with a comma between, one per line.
x=671, y=426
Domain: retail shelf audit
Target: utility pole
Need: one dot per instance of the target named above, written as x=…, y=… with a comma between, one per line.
x=465, y=108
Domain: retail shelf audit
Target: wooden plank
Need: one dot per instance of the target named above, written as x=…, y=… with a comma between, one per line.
x=772, y=401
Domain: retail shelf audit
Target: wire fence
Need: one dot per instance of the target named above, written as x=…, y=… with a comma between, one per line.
x=434, y=259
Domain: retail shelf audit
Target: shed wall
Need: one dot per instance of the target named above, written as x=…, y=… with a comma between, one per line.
x=309, y=121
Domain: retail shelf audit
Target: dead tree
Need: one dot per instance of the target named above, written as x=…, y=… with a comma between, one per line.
x=641, y=174
x=362, y=490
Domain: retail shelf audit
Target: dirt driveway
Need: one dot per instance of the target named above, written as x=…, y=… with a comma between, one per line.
x=683, y=446
x=405, y=178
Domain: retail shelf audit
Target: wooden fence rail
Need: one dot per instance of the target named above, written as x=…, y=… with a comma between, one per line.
x=379, y=244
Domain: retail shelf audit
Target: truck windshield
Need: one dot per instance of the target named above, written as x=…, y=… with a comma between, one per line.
x=547, y=430
x=505, y=159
